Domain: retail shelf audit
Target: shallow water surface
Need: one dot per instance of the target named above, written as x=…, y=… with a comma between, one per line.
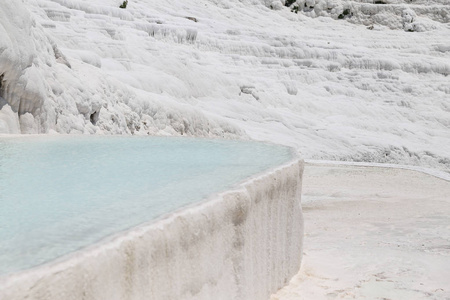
x=59, y=194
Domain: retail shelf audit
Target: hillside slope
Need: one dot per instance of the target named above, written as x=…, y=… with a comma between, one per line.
x=351, y=86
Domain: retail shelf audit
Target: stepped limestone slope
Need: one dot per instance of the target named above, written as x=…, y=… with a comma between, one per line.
x=354, y=80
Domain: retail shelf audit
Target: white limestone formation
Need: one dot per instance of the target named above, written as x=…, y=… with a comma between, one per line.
x=242, y=244
x=341, y=80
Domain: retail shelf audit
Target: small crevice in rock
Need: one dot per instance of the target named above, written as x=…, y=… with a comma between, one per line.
x=2, y=92
x=94, y=117
x=192, y=19
x=60, y=57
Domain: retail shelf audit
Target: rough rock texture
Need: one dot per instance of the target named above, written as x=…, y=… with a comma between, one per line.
x=357, y=88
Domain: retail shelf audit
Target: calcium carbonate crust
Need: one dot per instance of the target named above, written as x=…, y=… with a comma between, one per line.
x=242, y=244
x=44, y=91
x=337, y=79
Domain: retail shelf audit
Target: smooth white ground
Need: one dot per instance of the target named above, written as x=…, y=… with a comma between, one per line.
x=373, y=233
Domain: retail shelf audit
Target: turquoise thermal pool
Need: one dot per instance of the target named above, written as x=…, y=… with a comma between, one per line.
x=60, y=194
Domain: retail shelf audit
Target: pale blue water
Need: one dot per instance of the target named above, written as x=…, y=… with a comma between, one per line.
x=60, y=194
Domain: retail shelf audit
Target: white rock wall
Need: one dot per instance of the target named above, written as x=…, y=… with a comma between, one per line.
x=243, y=244
x=360, y=88
x=45, y=88
x=22, y=87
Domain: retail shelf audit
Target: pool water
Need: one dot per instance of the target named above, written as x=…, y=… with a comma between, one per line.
x=59, y=194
